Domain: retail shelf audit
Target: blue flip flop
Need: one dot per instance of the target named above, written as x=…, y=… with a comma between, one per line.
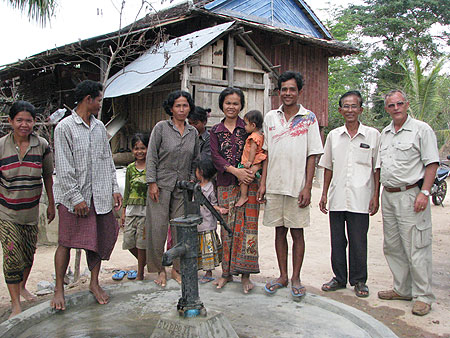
x=119, y=275
x=301, y=291
x=272, y=284
x=206, y=279
x=132, y=274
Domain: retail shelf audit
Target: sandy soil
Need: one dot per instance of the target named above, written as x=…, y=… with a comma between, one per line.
x=316, y=270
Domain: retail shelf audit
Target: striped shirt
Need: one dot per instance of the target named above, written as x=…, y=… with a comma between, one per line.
x=84, y=166
x=21, y=178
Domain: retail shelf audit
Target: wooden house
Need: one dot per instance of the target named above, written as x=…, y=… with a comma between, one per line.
x=211, y=45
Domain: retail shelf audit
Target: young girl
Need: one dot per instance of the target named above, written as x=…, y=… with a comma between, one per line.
x=253, y=152
x=134, y=200
x=209, y=248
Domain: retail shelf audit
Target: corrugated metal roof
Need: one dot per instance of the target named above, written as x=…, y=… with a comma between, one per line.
x=279, y=13
x=157, y=61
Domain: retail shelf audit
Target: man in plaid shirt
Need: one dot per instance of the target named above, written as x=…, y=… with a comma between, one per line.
x=85, y=190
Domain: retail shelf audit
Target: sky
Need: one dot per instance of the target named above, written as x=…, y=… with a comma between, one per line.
x=80, y=19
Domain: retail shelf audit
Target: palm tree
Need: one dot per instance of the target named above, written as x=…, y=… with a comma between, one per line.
x=424, y=90
x=39, y=10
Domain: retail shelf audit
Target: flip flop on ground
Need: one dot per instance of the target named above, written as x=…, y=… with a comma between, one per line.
x=132, y=274
x=333, y=285
x=206, y=279
x=119, y=275
x=361, y=290
x=273, y=286
x=298, y=292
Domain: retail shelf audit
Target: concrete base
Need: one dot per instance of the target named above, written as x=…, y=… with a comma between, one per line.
x=214, y=325
x=137, y=308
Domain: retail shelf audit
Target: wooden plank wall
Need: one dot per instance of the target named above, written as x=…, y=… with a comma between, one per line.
x=311, y=62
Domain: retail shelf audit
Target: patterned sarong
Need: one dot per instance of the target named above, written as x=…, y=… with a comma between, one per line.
x=240, y=252
x=97, y=234
x=19, y=245
x=209, y=250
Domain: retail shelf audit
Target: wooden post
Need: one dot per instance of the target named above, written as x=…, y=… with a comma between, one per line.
x=185, y=78
x=230, y=60
x=76, y=275
x=103, y=66
x=267, y=99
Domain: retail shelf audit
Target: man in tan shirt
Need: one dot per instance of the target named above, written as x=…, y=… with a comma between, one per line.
x=409, y=159
x=352, y=185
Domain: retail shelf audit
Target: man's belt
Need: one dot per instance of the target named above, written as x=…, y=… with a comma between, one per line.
x=401, y=189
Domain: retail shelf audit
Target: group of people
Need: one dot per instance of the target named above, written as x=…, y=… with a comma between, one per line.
x=239, y=164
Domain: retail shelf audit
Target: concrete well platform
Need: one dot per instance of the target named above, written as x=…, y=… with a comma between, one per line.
x=136, y=307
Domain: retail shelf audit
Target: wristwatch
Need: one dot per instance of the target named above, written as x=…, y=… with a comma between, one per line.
x=425, y=192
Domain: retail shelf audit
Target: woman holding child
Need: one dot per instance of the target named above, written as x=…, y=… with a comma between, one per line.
x=240, y=252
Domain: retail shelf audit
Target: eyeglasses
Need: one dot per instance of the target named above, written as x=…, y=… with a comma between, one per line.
x=348, y=107
x=399, y=104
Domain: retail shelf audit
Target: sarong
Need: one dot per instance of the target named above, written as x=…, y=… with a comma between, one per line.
x=19, y=245
x=240, y=252
x=209, y=250
x=96, y=234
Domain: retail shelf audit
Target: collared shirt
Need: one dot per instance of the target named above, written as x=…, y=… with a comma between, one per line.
x=205, y=147
x=209, y=221
x=288, y=144
x=226, y=150
x=405, y=154
x=353, y=162
x=21, y=178
x=170, y=155
x=84, y=166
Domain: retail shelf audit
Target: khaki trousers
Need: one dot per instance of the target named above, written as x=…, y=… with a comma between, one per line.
x=407, y=244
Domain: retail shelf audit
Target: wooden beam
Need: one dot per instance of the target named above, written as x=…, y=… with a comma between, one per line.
x=223, y=83
x=230, y=60
x=267, y=100
x=185, y=78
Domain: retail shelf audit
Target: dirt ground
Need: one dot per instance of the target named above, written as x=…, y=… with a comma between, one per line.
x=316, y=270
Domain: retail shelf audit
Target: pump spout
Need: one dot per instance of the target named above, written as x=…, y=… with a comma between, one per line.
x=175, y=252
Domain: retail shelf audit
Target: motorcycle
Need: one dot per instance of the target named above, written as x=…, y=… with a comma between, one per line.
x=439, y=188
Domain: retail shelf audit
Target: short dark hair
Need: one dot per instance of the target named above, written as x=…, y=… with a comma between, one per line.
x=395, y=91
x=199, y=114
x=87, y=88
x=170, y=101
x=231, y=91
x=256, y=117
x=206, y=168
x=139, y=137
x=291, y=75
x=19, y=106
x=352, y=93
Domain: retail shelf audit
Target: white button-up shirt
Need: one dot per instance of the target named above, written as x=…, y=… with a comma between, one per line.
x=353, y=161
x=288, y=144
x=84, y=166
x=405, y=154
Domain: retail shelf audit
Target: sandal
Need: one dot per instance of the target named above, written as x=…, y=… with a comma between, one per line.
x=298, y=292
x=119, y=275
x=391, y=295
x=421, y=308
x=333, y=285
x=206, y=279
x=132, y=274
x=273, y=286
x=361, y=290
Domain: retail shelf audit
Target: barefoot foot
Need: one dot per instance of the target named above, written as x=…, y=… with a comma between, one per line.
x=15, y=310
x=247, y=284
x=241, y=201
x=100, y=295
x=222, y=281
x=27, y=295
x=58, y=302
x=162, y=279
x=175, y=275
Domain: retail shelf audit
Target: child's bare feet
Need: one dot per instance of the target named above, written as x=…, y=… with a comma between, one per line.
x=27, y=295
x=247, y=284
x=222, y=281
x=58, y=302
x=242, y=200
x=100, y=295
x=175, y=275
x=15, y=310
x=162, y=279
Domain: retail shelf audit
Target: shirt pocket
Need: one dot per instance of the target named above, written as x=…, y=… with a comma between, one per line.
x=363, y=156
x=404, y=151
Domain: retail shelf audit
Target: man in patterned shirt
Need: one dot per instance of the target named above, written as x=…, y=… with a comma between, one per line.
x=292, y=141
x=85, y=190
